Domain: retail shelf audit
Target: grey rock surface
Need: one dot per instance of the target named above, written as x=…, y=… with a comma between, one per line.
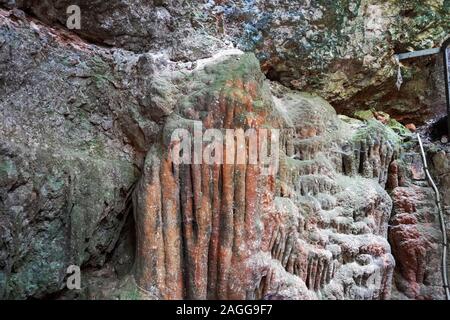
x=65, y=165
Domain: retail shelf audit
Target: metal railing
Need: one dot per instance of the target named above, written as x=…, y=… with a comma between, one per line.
x=441, y=221
x=444, y=49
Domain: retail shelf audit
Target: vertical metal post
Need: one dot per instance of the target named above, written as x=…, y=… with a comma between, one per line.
x=445, y=55
x=447, y=95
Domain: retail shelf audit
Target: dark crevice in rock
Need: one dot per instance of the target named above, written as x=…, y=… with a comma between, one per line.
x=125, y=246
x=273, y=75
x=439, y=129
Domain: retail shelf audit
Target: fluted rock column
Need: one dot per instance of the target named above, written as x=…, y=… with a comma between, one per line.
x=197, y=223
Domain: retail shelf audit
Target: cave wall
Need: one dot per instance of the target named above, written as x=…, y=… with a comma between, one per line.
x=343, y=50
x=85, y=150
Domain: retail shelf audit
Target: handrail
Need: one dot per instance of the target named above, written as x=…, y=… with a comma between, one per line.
x=441, y=220
x=445, y=55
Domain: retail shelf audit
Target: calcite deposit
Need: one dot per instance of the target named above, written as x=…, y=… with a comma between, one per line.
x=311, y=231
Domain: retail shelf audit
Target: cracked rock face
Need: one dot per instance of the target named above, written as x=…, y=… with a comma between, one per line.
x=115, y=23
x=343, y=50
x=65, y=169
x=87, y=177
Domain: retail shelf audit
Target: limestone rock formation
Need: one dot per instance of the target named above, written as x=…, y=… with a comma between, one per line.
x=160, y=26
x=230, y=232
x=414, y=233
x=343, y=50
x=66, y=167
x=88, y=178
